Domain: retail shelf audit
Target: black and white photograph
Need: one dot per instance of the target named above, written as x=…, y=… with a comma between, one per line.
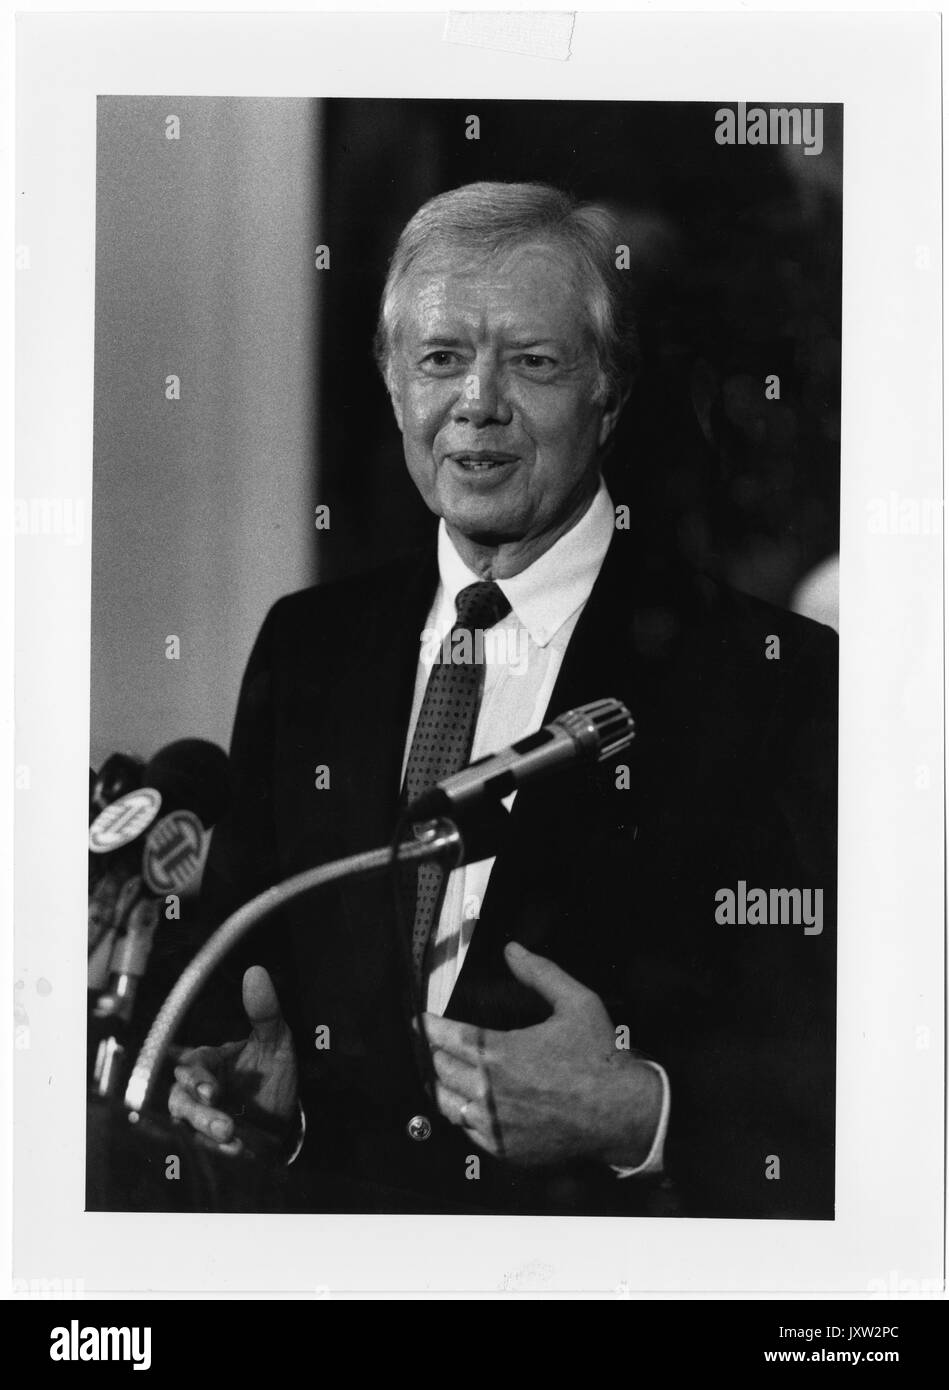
x=468, y=530
x=569, y=503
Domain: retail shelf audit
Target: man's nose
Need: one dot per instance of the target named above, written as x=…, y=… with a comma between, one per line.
x=482, y=399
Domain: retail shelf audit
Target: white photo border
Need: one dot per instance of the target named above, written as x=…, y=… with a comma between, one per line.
x=885, y=69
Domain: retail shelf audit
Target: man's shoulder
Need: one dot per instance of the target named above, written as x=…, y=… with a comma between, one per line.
x=753, y=659
x=758, y=651
x=695, y=633
x=755, y=621
x=671, y=604
x=336, y=598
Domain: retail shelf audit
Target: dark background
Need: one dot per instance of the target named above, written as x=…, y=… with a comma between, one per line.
x=736, y=254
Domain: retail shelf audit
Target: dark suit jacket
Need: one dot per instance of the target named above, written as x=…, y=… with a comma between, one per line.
x=732, y=777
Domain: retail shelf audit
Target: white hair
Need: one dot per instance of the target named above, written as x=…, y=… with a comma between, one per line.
x=485, y=218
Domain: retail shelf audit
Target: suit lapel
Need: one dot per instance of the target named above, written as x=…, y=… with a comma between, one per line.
x=372, y=701
x=599, y=661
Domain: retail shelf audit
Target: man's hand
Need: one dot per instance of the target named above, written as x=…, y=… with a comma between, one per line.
x=255, y=1079
x=557, y=1091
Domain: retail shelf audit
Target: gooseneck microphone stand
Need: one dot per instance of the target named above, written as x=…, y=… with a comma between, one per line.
x=435, y=839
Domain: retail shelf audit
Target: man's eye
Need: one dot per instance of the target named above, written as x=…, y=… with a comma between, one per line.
x=535, y=362
x=441, y=358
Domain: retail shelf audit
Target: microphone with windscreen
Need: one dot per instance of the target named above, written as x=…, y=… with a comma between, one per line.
x=191, y=775
x=117, y=776
x=188, y=775
x=150, y=843
x=592, y=733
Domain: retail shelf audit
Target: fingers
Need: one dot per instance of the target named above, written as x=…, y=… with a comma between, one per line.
x=198, y=1084
x=462, y=1040
x=463, y=1094
x=197, y=1070
x=262, y=1006
x=213, y=1124
x=471, y=1116
x=461, y=1054
x=466, y=1081
x=458, y=1110
x=538, y=973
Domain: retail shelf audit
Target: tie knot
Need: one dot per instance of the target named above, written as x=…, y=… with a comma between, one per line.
x=480, y=605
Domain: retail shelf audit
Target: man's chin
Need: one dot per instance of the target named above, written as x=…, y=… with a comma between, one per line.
x=485, y=531
x=491, y=540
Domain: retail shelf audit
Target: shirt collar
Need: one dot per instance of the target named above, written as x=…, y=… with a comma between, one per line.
x=544, y=595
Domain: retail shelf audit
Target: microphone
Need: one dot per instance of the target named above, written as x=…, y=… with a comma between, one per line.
x=172, y=862
x=154, y=841
x=191, y=774
x=117, y=776
x=130, y=956
x=115, y=863
x=188, y=775
x=591, y=733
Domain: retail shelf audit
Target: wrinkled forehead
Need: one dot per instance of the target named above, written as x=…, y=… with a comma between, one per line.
x=531, y=292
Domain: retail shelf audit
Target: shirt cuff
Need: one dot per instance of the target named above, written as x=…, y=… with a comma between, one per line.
x=301, y=1135
x=652, y=1163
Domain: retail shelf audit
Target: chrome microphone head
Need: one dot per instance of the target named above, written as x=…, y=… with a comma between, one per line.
x=602, y=728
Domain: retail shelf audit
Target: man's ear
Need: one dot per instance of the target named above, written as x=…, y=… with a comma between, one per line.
x=612, y=410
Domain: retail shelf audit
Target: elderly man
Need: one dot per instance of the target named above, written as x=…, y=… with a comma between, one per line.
x=603, y=1037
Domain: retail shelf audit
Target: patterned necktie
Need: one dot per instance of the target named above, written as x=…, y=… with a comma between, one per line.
x=445, y=731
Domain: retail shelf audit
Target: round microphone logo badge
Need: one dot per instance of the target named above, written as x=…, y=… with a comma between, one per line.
x=173, y=852
x=124, y=820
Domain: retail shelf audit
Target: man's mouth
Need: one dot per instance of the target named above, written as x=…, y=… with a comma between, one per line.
x=481, y=460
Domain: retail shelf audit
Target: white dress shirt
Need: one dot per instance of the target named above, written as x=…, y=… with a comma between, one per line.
x=523, y=656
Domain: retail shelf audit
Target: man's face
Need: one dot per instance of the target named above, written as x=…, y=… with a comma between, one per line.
x=494, y=385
